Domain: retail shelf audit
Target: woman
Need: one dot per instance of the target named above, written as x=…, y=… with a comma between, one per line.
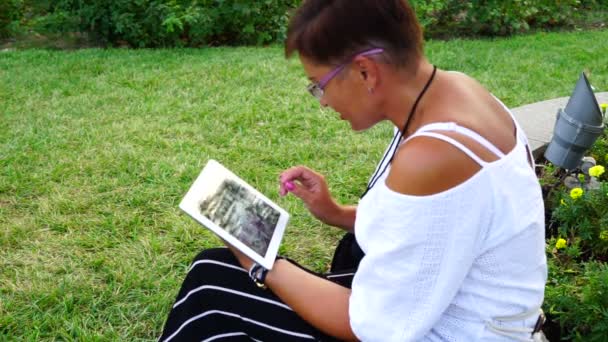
x=451, y=225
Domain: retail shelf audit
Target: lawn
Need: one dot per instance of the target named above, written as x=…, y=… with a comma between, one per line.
x=97, y=148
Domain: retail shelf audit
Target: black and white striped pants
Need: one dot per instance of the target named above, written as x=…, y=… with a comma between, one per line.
x=219, y=302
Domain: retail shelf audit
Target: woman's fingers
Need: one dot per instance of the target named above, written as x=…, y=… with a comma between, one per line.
x=289, y=185
x=300, y=173
x=301, y=181
x=285, y=187
x=300, y=191
x=296, y=189
x=311, y=188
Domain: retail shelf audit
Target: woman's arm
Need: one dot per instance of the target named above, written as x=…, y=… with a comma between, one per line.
x=344, y=218
x=318, y=301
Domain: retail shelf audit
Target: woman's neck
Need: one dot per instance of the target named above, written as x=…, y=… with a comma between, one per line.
x=403, y=89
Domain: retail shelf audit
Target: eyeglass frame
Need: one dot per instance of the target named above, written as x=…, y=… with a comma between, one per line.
x=317, y=89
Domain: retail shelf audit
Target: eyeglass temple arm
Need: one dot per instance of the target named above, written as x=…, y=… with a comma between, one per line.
x=323, y=82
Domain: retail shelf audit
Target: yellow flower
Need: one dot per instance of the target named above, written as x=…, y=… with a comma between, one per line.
x=604, y=235
x=561, y=243
x=604, y=106
x=576, y=193
x=597, y=171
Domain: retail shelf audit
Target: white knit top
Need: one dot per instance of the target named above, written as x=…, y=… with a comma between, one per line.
x=445, y=267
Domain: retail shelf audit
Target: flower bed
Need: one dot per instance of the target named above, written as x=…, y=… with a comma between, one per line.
x=576, y=299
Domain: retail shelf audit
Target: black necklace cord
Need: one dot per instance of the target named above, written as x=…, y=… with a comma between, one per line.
x=377, y=176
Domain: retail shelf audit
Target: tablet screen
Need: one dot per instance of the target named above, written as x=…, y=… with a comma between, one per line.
x=243, y=215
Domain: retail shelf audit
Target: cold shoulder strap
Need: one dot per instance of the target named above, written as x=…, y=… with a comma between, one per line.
x=454, y=127
x=451, y=141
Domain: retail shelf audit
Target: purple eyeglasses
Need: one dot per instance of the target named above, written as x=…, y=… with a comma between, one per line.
x=318, y=89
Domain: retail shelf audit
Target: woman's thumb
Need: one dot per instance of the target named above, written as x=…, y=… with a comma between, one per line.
x=297, y=189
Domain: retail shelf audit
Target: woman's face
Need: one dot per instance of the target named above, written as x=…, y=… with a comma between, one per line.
x=347, y=93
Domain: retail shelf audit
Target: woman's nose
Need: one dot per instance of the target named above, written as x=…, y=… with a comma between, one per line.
x=323, y=102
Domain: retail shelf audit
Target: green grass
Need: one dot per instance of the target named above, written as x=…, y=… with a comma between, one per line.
x=97, y=147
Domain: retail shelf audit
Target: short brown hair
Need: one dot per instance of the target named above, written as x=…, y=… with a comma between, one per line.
x=329, y=31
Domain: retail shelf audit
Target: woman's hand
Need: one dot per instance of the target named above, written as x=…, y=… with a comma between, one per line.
x=312, y=189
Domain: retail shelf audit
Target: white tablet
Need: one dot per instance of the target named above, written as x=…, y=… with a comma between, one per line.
x=237, y=212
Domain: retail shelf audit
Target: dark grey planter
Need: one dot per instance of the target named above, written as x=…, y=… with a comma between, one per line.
x=577, y=127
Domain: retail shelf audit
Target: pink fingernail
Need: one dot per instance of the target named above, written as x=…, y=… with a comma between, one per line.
x=289, y=186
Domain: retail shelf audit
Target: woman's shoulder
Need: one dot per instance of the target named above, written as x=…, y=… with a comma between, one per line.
x=425, y=166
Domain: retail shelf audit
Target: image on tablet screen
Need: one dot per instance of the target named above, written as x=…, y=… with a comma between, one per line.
x=242, y=214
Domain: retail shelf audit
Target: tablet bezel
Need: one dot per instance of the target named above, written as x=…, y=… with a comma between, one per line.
x=205, y=185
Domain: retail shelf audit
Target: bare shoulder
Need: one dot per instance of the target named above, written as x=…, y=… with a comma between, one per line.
x=425, y=166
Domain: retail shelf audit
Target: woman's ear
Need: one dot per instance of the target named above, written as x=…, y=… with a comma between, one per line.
x=368, y=71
